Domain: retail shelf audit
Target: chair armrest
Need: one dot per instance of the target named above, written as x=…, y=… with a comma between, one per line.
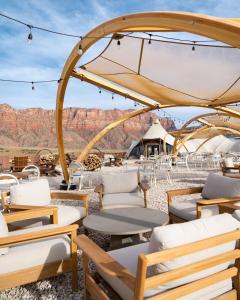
x=104, y=261
x=71, y=196
x=99, y=189
x=44, y=233
x=205, y=202
x=182, y=192
x=31, y=212
x=144, y=185
x=228, y=208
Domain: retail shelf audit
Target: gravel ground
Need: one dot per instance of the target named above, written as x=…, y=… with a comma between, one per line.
x=60, y=287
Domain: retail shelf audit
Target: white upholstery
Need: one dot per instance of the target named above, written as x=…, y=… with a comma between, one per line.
x=122, y=200
x=174, y=235
x=35, y=192
x=3, y=233
x=115, y=183
x=218, y=186
x=236, y=215
x=187, y=208
x=228, y=162
x=35, y=253
x=66, y=215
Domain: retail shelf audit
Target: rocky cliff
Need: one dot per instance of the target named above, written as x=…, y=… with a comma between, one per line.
x=36, y=127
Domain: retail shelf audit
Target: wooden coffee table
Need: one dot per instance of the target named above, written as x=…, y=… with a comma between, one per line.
x=125, y=225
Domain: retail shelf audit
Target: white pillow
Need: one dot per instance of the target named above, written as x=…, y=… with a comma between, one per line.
x=3, y=233
x=170, y=236
x=115, y=183
x=218, y=186
x=35, y=192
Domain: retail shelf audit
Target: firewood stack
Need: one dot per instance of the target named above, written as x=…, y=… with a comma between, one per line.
x=46, y=159
x=92, y=162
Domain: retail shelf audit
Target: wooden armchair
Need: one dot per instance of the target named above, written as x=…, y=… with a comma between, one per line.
x=129, y=272
x=122, y=190
x=37, y=193
x=229, y=168
x=32, y=255
x=19, y=162
x=223, y=190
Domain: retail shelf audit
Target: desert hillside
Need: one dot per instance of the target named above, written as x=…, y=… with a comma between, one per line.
x=35, y=127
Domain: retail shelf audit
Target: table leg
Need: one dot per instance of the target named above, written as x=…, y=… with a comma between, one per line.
x=121, y=241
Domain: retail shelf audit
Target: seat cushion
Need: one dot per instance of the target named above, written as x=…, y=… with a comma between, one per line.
x=66, y=215
x=187, y=208
x=125, y=182
x=218, y=186
x=236, y=214
x=35, y=192
x=35, y=253
x=122, y=200
x=3, y=233
x=128, y=257
x=174, y=235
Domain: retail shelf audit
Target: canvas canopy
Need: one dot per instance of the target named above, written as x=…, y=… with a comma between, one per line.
x=169, y=72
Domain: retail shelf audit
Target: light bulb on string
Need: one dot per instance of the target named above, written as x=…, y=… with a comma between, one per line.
x=150, y=39
x=30, y=36
x=118, y=43
x=193, y=47
x=80, y=50
x=135, y=104
x=112, y=96
x=100, y=91
x=33, y=88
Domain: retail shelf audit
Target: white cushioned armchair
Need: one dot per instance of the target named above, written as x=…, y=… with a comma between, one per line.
x=32, y=254
x=187, y=261
x=37, y=193
x=217, y=190
x=122, y=189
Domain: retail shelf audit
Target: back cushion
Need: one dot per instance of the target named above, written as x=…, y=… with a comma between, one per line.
x=174, y=235
x=120, y=182
x=228, y=162
x=35, y=192
x=3, y=233
x=218, y=186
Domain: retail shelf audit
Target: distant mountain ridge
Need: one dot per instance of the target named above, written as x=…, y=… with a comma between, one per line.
x=35, y=127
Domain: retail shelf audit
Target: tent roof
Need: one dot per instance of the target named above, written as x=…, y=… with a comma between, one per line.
x=169, y=72
x=156, y=131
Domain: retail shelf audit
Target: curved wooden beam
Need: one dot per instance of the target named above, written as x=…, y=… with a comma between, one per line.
x=204, y=128
x=181, y=130
x=216, y=28
x=110, y=127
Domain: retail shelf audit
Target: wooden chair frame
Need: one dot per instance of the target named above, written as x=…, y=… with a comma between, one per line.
x=54, y=196
x=140, y=283
x=200, y=203
x=47, y=270
x=143, y=185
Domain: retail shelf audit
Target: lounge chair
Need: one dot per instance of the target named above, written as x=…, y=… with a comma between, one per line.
x=34, y=254
x=122, y=190
x=216, y=190
x=188, y=261
x=37, y=193
x=229, y=168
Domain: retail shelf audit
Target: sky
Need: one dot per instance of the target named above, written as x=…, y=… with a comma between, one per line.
x=44, y=58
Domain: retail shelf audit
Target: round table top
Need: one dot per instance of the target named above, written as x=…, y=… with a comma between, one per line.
x=126, y=221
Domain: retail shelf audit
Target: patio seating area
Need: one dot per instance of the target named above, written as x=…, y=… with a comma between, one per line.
x=159, y=221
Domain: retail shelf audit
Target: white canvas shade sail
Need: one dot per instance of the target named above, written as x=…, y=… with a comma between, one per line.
x=171, y=73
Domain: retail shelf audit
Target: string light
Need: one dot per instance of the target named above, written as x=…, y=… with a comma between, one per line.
x=118, y=43
x=80, y=50
x=30, y=36
x=150, y=39
x=112, y=96
x=33, y=88
x=100, y=91
x=193, y=47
